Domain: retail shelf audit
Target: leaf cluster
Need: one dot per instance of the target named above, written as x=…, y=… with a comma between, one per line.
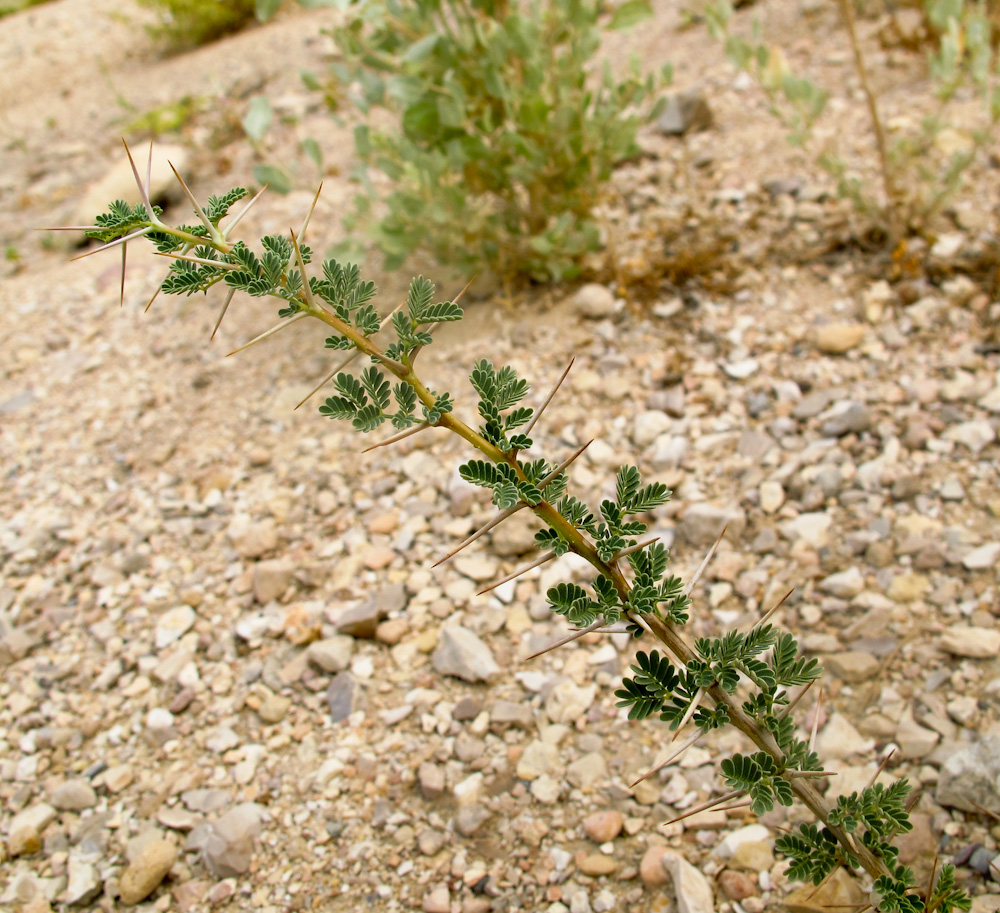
x=504, y=141
x=365, y=401
x=499, y=392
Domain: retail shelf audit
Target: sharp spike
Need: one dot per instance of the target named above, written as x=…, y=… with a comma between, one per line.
x=881, y=767
x=143, y=190
x=124, y=239
x=808, y=774
x=201, y=261
x=149, y=166
x=575, y=635
x=244, y=210
x=774, y=609
x=312, y=209
x=222, y=313
x=798, y=698
x=695, y=701
x=548, y=556
x=564, y=465
x=815, y=725
x=931, y=880
x=668, y=760
x=638, y=547
x=149, y=303
x=69, y=228
x=704, y=563
x=306, y=290
x=396, y=437
x=270, y=332
x=548, y=399
x=121, y=302
x=499, y=518
x=212, y=231
x=351, y=358
x=705, y=806
x=815, y=890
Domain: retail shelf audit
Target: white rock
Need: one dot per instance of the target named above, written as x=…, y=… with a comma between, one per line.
x=462, y=654
x=976, y=643
x=982, y=558
x=741, y=370
x=173, y=625
x=839, y=739
x=752, y=833
x=772, y=496
x=594, y=301
x=974, y=435
x=812, y=528
x=845, y=585
x=649, y=425
x=691, y=888
x=567, y=702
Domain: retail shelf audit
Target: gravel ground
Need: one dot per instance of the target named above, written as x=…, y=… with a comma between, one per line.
x=233, y=677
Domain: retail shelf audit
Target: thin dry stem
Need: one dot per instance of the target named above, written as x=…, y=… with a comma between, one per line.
x=548, y=399
x=815, y=725
x=798, y=698
x=881, y=767
x=548, y=556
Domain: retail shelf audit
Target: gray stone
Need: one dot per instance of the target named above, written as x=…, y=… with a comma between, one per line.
x=358, y=620
x=73, y=795
x=851, y=418
x=668, y=451
x=252, y=540
x=845, y=585
x=755, y=445
x=813, y=404
x=512, y=713
x=587, y=771
x=271, y=579
x=970, y=777
x=685, y=112
x=516, y=535
x=343, y=696
x=228, y=848
x=333, y=654
x=701, y=523
x=462, y=654
x=430, y=780
x=470, y=818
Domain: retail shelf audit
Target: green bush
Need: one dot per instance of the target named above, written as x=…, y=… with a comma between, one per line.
x=191, y=23
x=504, y=138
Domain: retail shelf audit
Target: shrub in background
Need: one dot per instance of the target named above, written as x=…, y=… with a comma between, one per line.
x=504, y=137
x=920, y=168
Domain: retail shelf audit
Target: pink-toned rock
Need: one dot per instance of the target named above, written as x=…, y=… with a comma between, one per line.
x=603, y=826
x=737, y=885
x=651, y=869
